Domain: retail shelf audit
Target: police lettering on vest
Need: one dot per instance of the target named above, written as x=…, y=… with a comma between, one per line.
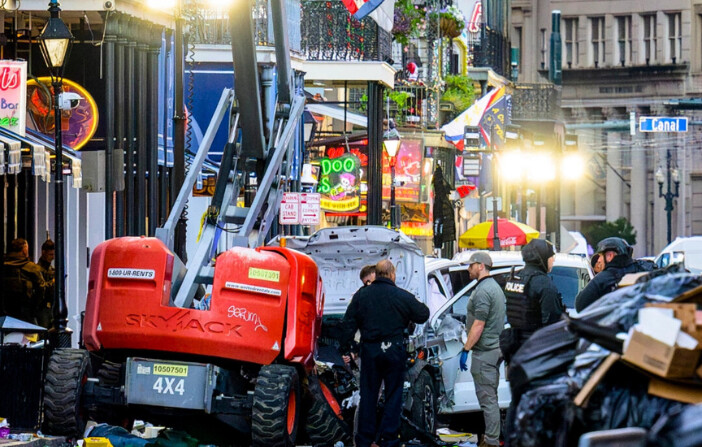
x=523, y=311
x=514, y=287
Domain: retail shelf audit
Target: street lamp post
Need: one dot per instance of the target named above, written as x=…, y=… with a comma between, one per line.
x=55, y=42
x=392, y=146
x=671, y=176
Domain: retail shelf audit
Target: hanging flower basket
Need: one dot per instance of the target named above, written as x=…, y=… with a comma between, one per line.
x=450, y=21
x=449, y=27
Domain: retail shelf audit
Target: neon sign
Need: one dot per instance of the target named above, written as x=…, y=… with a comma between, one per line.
x=339, y=181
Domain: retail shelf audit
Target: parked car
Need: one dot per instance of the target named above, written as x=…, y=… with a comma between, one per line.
x=434, y=382
x=683, y=250
x=570, y=273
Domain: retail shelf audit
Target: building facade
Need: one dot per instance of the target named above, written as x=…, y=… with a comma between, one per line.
x=621, y=61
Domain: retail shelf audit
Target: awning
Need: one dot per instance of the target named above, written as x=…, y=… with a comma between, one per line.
x=39, y=148
x=337, y=113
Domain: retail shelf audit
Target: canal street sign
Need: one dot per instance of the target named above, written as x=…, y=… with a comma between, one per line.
x=662, y=124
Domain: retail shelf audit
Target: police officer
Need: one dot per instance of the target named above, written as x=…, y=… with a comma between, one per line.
x=533, y=300
x=382, y=311
x=22, y=283
x=616, y=253
x=484, y=322
x=45, y=310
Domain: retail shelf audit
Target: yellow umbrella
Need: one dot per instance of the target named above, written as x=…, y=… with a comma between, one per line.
x=510, y=233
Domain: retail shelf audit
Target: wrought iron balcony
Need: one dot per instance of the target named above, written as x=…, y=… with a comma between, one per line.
x=329, y=33
x=416, y=106
x=536, y=101
x=489, y=48
x=212, y=27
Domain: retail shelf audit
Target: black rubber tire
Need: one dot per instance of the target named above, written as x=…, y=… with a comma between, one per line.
x=323, y=425
x=66, y=374
x=269, y=416
x=110, y=374
x=424, y=408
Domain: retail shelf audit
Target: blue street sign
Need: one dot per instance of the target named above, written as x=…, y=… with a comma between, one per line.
x=662, y=124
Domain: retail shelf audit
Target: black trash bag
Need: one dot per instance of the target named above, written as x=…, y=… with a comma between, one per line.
x=548, y=351
x=622, y=400
x=680, y=428
x=544, y=417
x=591, y=331
x=585, y=363
x=619, y=309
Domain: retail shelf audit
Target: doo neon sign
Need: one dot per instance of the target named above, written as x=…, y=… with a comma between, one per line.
x=336, y=167
x=339, y=182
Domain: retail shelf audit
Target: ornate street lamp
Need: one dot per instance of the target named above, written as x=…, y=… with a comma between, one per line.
x=669, y=196
x=55, y=42
x=392, y=147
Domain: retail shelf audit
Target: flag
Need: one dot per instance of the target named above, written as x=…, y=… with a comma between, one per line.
x=454, y=131
x=384, y=15
x=382, y=11
x=497, y=115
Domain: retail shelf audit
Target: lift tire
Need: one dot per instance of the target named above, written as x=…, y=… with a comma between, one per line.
x=67, y=372
x=110, y=374
x=276, y=407
x=424, y=409
x=325, y=424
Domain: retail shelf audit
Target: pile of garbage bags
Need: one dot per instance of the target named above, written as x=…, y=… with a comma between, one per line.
x=553, y=366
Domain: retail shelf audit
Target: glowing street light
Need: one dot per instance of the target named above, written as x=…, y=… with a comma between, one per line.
x=392, y=147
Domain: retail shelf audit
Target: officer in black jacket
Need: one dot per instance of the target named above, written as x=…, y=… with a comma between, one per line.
x=618, y=262
x=382, y=311
x=533, y=300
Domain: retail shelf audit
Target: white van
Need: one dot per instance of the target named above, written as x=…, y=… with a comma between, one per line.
x=683, y=250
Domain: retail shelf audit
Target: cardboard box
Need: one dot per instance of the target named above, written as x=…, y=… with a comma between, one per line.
x=687, y=314
x=630, y=279
x=689, y=394
x=658, y=358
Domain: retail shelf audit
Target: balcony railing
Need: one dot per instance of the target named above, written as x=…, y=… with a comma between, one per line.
x=329, y=33
x=212, y=27
x=488, y=48
x=419, y=108
x=536, y=101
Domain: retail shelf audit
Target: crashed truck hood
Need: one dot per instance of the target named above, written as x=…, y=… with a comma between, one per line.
x=341, y=252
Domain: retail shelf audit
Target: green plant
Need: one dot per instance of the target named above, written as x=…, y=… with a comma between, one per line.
x=408, y=20
x=449, y=19
x=619, y=228
x=459, y=90
x=400, y=99
x=363, y=103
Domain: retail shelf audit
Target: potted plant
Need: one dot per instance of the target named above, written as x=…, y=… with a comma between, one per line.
x=408, y=21
x=450, y=21
x=459, y=91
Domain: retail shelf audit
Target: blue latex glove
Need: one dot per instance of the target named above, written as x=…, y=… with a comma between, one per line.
x=464, y=359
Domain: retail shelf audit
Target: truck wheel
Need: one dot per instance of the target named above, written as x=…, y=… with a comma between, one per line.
x=423, y=411
x=110, y=374
x=276, y=407
x=67, y=372
x=325, y=424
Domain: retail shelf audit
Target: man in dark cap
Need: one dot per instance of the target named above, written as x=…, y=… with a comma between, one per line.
x=616, y=253
x=533, y=300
